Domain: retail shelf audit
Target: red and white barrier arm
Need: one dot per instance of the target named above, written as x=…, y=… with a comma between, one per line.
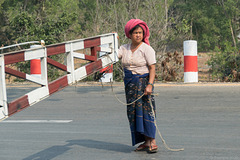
x=69, y=48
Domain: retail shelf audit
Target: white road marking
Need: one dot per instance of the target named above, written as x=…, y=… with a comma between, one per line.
x=37, y=121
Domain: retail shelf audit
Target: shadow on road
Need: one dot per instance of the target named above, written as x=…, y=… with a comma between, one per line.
x=55, y=151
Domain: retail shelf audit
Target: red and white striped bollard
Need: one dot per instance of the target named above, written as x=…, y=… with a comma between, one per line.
x=190, y=61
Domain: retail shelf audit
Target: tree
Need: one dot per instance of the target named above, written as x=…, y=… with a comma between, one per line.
x=53, y=21
x=212, y=23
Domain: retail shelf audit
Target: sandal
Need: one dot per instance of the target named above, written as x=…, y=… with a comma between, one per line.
x=142, y=147
x=153, y=149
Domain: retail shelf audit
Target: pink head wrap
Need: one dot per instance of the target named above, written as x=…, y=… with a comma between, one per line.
x=132, y=23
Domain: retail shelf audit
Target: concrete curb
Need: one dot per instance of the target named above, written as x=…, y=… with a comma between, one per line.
x=157, y=84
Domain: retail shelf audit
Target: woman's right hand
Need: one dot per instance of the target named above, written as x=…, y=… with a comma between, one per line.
x=117, y=34
x=148, y=90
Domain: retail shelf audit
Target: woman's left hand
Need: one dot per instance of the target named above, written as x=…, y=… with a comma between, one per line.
x=148, y=90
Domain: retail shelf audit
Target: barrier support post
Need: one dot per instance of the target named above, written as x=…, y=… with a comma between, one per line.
x=3, y=94
x=115, y=45
x=44, y=73
x=70, y=64
x=107, y=71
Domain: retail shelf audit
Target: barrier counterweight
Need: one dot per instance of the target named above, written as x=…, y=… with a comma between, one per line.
x=35, y=64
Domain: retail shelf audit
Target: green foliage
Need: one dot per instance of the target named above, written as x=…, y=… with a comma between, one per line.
x=214, y=24
x=53, y=21
x=36, y=20
x=225, y=64
x=210, y=21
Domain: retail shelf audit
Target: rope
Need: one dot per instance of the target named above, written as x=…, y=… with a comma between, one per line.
x=155, y=123
x=159, y=133
x=120, y=100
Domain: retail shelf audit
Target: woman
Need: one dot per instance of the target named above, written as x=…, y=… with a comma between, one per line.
x=138, y=60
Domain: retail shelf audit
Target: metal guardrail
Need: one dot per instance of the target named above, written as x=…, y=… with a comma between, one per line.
x=21, y=44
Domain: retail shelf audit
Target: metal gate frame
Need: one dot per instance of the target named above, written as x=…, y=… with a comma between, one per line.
x=73, y=75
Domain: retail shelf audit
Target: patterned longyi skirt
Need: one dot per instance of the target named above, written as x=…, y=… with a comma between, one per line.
x=140, y=115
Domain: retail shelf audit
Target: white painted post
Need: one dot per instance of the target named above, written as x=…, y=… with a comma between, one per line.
x=3, y=92
x=44, y=72
x=42, y=92
x=108, y=76
x=115, y=46
x=190, y=61
x=70, y=64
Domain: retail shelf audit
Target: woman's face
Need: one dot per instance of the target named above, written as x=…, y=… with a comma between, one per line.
x=137, y=35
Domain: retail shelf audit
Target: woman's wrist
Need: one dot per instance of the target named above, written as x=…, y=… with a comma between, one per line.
x=150, y=84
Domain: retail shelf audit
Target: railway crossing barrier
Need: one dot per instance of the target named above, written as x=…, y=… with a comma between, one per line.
x=71, y=51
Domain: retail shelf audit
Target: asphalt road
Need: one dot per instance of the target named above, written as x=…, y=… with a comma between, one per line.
x=87, y=122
